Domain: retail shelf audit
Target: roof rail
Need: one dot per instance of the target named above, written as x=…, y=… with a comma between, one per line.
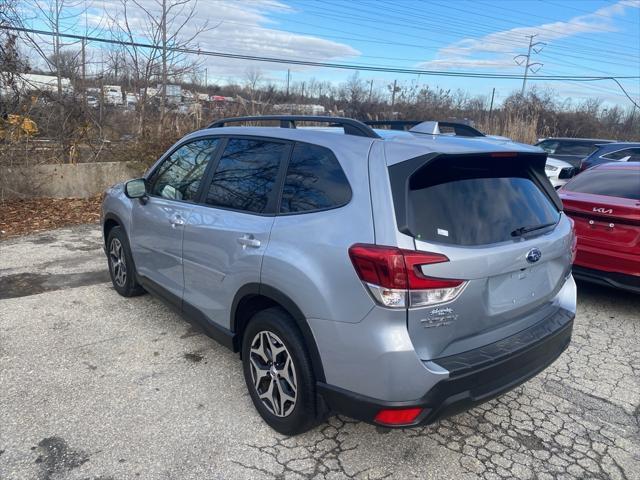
x=351, y=126
x=428, y=127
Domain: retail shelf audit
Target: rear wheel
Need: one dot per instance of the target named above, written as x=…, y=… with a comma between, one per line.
x=121, y=269
x=278, y=372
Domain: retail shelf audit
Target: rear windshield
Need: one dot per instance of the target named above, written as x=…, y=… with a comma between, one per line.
x=622, y=183
x=475, y=206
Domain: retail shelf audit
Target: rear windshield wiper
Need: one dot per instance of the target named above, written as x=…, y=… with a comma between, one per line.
x=523, y=230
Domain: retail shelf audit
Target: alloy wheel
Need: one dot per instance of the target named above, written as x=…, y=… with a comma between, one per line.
x=118, y=262
x=273, y=373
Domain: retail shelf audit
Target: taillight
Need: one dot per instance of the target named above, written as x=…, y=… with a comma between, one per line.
x=395, y=279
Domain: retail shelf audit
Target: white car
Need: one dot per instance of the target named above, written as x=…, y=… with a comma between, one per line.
x=559, y=172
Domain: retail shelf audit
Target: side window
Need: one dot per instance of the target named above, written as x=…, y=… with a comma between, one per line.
x=634, y=153
x=575, y=148
x=245, y=175
x=314, y=181
x=548, y=146
x=178, y=177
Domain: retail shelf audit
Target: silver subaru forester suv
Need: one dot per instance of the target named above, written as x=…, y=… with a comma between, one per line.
x=393, y=276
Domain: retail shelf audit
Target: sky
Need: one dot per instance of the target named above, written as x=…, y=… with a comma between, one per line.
x=577, y=38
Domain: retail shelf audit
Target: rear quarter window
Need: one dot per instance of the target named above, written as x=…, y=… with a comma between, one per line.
x=314, y=181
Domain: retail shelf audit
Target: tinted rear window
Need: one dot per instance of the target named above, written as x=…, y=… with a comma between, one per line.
x=623, y=183
x=472, y=199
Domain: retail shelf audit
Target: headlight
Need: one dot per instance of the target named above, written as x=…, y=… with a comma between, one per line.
x=550, y=168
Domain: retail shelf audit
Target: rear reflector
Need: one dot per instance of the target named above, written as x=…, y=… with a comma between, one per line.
x=403, y=416
x=395, y=279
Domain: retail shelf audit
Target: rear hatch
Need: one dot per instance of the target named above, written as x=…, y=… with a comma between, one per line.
x=497, y=220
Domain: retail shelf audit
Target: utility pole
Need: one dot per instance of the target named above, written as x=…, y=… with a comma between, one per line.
x=393, y=96
x=84, y=71
x=163, y=93
x=526, y=60
x=288, y=79
x=370, y=89
x=493, y=93
x=303, y=92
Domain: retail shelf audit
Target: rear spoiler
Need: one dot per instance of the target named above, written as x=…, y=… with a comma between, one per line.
x=427, y=127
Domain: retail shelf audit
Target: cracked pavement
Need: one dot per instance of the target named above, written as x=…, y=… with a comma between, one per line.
x=94, y=386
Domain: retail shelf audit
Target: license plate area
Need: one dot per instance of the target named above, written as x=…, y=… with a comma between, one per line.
x=521, y=287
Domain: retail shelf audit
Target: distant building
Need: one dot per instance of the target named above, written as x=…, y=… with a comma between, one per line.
x=31, y=82
x=301, y=108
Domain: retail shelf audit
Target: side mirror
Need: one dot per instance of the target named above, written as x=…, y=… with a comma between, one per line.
x=136, y=189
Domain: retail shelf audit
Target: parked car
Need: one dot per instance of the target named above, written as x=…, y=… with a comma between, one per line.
x=390, y=276
x=604, y=203
x=571, y=150
x=613, y=152
x=559, y=172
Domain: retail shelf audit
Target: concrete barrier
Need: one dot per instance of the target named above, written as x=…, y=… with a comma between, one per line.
x=79, y=180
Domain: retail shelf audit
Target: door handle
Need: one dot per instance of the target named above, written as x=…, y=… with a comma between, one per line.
x=249, y=241
x=176, y=221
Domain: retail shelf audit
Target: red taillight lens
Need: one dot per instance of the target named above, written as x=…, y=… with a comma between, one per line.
x=403, y=416
x=391, y=273
x=383, y=266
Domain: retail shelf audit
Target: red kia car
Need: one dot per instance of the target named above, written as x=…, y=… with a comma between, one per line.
x=604, y=203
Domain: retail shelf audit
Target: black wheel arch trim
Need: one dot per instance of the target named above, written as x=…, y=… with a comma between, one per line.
x=292, y=308
x=115, y=218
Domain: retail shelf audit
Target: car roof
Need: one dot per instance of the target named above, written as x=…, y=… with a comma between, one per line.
x=575, y=139
x=621, y=144
x=617, y=166
x=425, y=143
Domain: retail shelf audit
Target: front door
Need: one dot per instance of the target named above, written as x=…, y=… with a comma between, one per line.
x=157, y=222
x=227, y=233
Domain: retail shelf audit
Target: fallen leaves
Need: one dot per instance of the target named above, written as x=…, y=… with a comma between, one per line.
x=24, y=216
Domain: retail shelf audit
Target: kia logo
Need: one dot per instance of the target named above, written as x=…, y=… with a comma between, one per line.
x=534, y=255
x=602, y=210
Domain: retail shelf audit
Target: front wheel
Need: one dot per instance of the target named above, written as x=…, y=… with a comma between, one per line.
x=278, y=372
x=121, y=269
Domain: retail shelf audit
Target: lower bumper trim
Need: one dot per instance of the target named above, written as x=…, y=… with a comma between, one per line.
x=609, y=279
x=466, y=388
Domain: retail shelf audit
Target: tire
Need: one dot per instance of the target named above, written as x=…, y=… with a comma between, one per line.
x=274, y=325
x=121, y=267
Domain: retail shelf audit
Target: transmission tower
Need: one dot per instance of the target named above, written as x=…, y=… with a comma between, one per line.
x=526, y=60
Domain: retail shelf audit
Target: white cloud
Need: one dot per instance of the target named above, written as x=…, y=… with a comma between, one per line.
x=243, y=27
x=495, y=49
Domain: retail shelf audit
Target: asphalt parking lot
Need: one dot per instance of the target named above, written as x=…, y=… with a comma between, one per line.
x=94, y=386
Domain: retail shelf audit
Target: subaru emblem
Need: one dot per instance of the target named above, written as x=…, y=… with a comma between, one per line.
x=534, y=255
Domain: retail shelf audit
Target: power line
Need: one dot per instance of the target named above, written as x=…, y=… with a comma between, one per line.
x=341, y=66
x=344, y=66
x=468, y=26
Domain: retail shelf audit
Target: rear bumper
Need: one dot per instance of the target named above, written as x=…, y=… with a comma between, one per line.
x=610, y=279
x=474, y=376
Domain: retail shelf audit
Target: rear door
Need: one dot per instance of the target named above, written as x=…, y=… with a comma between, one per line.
x=227, y=233
x=502, y=233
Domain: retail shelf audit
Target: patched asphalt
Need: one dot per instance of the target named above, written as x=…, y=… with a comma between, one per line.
x=95, y=386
